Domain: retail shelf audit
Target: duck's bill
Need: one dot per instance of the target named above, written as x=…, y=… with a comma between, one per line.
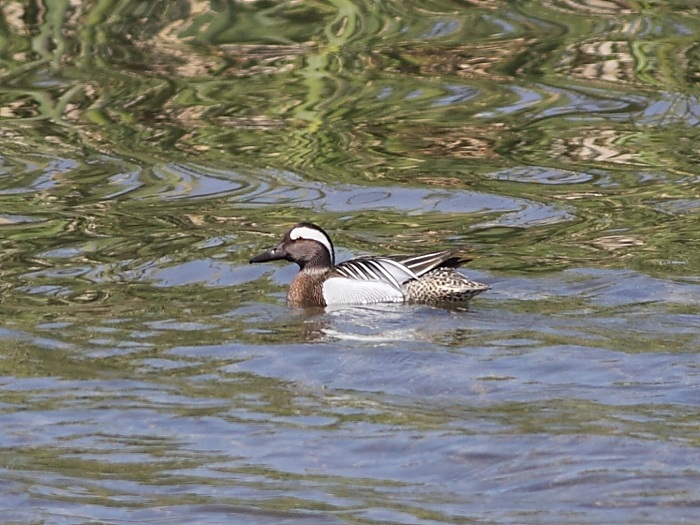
x=274, y=254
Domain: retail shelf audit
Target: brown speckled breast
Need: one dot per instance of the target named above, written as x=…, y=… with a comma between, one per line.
x=306, y=289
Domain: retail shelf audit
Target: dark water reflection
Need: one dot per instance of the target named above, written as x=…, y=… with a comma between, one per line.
x=149, y=374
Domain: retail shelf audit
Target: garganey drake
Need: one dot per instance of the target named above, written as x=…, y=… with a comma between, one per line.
x=430, y=278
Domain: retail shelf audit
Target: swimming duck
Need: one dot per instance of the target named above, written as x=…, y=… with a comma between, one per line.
x=429, y=278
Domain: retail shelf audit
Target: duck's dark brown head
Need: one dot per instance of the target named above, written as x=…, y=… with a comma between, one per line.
x=305, y=244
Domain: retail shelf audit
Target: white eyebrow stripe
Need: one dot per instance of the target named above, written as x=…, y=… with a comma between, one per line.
x=304, y=232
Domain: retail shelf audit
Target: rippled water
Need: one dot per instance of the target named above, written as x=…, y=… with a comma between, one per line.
x=148, y=373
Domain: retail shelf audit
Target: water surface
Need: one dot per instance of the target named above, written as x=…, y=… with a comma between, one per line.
x=148, y=373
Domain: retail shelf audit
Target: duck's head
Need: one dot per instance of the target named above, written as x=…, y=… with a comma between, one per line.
x=305, y=244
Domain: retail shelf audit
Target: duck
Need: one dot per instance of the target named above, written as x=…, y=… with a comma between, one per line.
x=429, y=278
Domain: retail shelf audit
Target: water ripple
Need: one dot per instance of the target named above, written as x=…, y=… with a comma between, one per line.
x=148, y=373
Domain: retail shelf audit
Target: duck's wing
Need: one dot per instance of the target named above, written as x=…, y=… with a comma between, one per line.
x=422, y=264
x=386, y=270
x=366, y=280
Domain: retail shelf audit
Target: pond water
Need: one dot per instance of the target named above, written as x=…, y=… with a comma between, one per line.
x=148, y=373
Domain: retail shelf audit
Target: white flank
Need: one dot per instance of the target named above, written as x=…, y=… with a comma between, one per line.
x=304, y=232
x=340, y=290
